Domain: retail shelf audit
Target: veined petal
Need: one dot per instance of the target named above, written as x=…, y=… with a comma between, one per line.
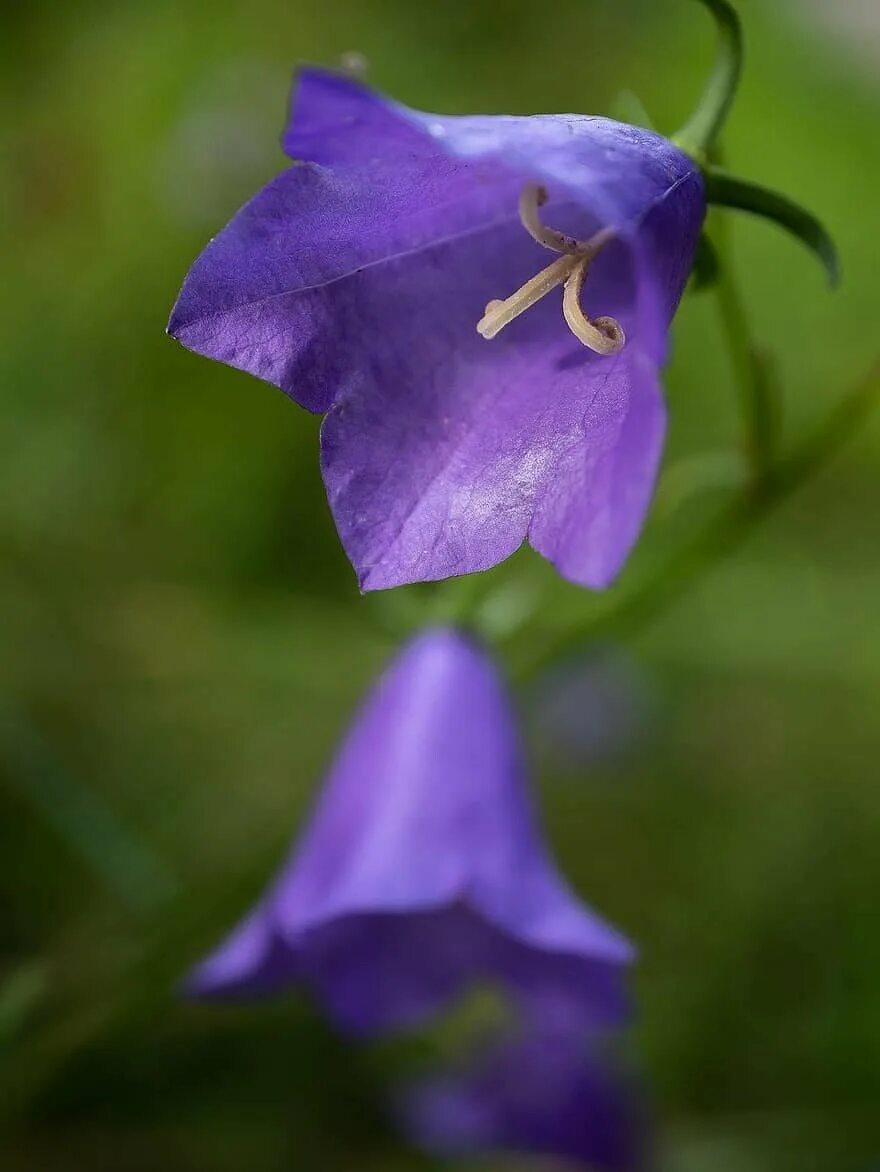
x=459, y=450
x=462, y=449
x=614, y=172
x=355, y=280
x=268, y=294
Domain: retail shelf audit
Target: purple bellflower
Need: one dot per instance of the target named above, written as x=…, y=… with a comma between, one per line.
x=396, y=280
x=422, y=871
x=542, y=1093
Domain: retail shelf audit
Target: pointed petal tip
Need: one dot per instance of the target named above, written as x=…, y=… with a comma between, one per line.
x=380, y=576
x=595, y=577
x=389, y=574
x=613, y=948
x=220, y=976
x=194, y=986
x=205, y=983
x=177, y=322
x=629, y=953
x=365, y=581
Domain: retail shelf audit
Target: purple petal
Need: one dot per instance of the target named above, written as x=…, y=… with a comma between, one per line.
x=338, y=122
x=423, y=870
x=355, y=281
x=438, y=471
x=269, y=294
x=544, y=1094
x=617, y=174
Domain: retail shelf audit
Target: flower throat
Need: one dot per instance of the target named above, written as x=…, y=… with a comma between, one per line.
x=604, y=335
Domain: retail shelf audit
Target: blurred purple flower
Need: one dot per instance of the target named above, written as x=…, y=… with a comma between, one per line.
x=593, y=709
x=355, y=280
x=547, y=1094
x=422, y=870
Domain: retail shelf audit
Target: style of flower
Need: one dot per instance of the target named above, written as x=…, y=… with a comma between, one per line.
x=422, y=871
x=354, y=282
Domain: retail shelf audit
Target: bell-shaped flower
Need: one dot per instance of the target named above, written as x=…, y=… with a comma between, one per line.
x=539, y=1093
x=422, y=871
x=396, y=280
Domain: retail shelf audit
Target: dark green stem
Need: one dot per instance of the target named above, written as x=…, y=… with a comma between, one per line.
x=700, y=132
x=758, y=406
x=720, y=537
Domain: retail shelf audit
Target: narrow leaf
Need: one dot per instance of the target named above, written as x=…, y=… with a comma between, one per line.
x=724, y=190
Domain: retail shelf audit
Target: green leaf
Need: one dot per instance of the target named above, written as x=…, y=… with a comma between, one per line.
x=727, y=191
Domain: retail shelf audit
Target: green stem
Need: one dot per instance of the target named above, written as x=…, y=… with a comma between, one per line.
x=757, y=405
x=699, y=133
x=458, y=599
x=721, y=536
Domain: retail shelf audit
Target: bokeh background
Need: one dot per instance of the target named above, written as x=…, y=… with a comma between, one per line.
x=182, y=641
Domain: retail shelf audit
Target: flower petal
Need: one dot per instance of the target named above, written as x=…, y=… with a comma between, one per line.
x=452, y=451
x=338, y=122
x=542, y=1093
x=355, y=280
x=455, y=450
x=589, y=513
x=422, y=869
x=620, y=173
x=268, y=295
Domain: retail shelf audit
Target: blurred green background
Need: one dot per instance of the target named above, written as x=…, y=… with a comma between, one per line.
x=182, y=641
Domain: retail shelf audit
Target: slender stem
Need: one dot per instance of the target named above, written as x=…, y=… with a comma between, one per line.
x=721, y=536
x=699, y=133
x=458, y=600
x=757, y=406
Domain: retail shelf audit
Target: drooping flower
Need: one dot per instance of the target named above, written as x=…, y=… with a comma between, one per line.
x=540, y=1093
x=422, y=871
x=396, y=280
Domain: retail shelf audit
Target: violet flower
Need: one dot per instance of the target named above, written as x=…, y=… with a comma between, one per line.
x=388, y=280
x=422, y=870
x=547, y=1094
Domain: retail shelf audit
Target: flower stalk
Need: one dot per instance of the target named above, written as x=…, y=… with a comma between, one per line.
x=700, y=138
x=701, y=131
x=758, y=404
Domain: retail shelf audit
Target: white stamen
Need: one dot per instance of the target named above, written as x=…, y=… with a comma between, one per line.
x=604, y=335
x=501, y=313
x=533, y=197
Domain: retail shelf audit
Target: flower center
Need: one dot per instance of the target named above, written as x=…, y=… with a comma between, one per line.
x=604, y=335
